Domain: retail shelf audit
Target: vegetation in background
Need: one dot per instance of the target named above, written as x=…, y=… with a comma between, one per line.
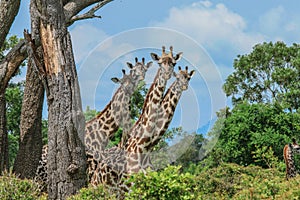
x=269, y=74
x=227, y=181
x=247, y=160
x=249, y=127
x=13, y=95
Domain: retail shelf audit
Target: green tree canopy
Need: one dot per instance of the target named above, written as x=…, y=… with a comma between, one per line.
x=270, y=73
x=249, y=127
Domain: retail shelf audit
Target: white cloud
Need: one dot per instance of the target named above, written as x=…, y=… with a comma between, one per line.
x=215, y=27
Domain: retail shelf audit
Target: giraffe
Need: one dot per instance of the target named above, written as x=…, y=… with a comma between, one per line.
x=151, y=105
x=100, y=129
x=104, y=125
x=169, y=103
x=146, y=123
x=288, y=154
x=120, y=163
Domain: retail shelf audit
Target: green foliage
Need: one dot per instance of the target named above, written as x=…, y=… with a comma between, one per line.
x=93, y=193
x=266, y=156
x=90, y=113
x=270, y=73
x=8, y=44
x=13, y=188
x=251, y=127
x=227, y=181
x=231, y=181
x=14, y=96
x=166, y=184
x=137, y=101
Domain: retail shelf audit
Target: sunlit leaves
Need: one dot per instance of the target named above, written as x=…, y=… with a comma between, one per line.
x=270, y=73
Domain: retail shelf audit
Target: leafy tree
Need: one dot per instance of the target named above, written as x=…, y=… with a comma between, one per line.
x=269, y=74
x=249, y=127
x=7, y=45
x=14, y=95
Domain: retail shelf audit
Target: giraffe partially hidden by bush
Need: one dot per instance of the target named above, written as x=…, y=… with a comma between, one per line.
x=117, y=164
x=288, y=154
x=101, y=128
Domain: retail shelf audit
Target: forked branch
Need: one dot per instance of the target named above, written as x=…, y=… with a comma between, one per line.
x=91, y=13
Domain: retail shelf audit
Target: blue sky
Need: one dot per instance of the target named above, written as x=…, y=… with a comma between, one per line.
x=209, y=33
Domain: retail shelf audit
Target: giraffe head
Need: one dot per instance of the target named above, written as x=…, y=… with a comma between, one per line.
x=127, y=83
x=167, y=62
x=295, y=147
x=139, y=70
x=183, y=77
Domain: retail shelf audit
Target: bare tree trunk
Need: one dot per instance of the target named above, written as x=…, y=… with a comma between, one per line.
x=66, y=156
x=30, y=146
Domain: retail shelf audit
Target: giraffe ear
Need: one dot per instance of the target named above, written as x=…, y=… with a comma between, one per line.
x=154, y=56
x=149, y=65
x=174, y=74
x=192, y=73
x=178, y=56
x=129, y=65
x=115, y=80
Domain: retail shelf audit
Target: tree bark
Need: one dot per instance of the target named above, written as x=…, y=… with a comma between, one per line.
x=30, y=146
x=31, y=138
x=8, y=11
x=66, y=156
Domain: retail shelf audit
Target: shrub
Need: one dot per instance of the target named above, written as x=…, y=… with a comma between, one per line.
x=12, y=187
x=166, y=184
x=93, y=193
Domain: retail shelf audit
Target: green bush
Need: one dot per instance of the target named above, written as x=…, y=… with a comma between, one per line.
x=166, y=184
x=13, y=188
x=232, y=181
x=93, y=193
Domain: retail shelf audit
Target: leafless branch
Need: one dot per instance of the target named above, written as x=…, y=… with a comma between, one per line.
x=10, y=64
x=90, y=13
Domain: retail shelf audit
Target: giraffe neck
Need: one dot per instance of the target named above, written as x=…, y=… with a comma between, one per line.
x=155, y=94
x=100, y=129
x=151, y=106
x=140, y=134
x=167, y=110
x=289, y=161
